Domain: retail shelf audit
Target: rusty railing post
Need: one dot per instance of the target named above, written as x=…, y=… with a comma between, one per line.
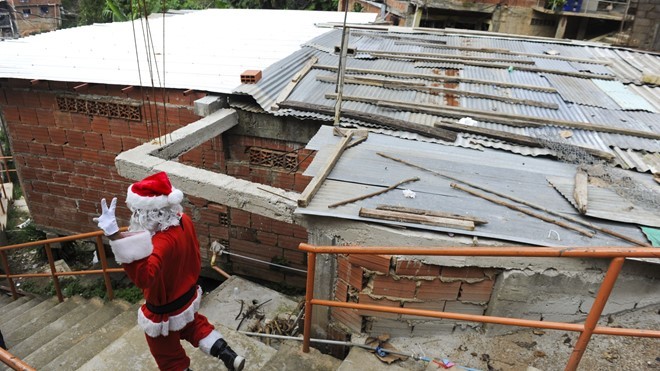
x=5, y=266
x=56, y=280
x=309, y=295
x=595, y=312
x=104, y=266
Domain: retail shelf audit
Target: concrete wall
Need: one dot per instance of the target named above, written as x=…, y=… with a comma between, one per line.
x=646, y=27
x=65, y=142
x=36, y=16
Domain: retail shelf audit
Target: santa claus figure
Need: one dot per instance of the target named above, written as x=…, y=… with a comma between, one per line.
x=160, y=254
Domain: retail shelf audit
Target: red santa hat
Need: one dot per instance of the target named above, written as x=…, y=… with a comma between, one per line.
x=153, y=192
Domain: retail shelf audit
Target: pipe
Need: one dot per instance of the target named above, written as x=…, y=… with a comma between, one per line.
x=14, y=362
x=221, y=272
x=519, y=251
x=309, y=296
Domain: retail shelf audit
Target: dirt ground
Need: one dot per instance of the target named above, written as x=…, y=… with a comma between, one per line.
x=545, y=350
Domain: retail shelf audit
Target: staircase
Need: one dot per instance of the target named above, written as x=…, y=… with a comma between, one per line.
x=7, y=188
x=80, y=334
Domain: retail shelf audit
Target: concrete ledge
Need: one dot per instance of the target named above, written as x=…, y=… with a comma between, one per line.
x=160, y=155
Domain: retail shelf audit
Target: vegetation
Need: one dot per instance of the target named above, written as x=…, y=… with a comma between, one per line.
x=86, y=12
x=72, y=286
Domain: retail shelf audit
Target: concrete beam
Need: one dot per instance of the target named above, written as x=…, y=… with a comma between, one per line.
x=160, y=155
x=209, y=104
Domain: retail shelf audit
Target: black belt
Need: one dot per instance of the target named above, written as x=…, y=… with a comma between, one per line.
x=175, y=305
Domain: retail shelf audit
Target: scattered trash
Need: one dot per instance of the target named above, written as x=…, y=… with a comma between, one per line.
x=510, y=69
x=408, y=193
x=24, y=224
x=526, y=345
x=610, y=356
x=538, y=332
x=95, y=259
x=383, y=348
x=566, y=134
x=551, y=52
x=462, y=348
x=553, y=233
x=445, y=363
x=467, y=121
x=539, y=354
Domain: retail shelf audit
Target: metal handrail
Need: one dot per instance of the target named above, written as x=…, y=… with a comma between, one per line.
x=617, y=254
x=105, y=270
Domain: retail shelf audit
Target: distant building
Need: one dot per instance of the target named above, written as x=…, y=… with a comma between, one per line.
x=7, y=21
x=562, y=19
x=35, y=16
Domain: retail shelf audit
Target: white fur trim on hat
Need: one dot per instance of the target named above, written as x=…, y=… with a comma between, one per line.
x=133, y=247
x=135, y=201
x=174, y=323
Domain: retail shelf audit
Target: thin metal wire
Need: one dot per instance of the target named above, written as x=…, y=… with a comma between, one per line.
x=263, y=261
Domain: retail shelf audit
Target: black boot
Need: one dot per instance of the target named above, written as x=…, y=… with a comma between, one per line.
x=221, y=350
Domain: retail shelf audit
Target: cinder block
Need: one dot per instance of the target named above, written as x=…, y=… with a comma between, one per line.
x=209, y=104
x=432, y=328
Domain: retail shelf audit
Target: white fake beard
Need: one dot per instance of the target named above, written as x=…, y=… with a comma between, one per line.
x=155, y=220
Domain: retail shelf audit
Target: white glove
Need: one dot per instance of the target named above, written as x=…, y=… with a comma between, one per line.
x=107, y=221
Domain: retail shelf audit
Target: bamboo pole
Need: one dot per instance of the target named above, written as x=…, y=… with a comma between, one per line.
x=350, y=200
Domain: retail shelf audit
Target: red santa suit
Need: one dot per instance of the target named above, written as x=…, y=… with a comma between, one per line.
x=166, y=267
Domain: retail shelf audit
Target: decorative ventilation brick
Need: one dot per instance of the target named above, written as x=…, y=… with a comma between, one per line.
x=224, y=219
x=97, y=107
x=270, y=158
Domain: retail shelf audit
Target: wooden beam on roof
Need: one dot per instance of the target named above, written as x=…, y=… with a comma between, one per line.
x=403, y=84
x=504, y=51
x=580, y=191
x=294, y=82
x=449, y=57
x=501, y=118
x=317, y=181
x=34, y=82
x=519, y=139
x=405, y=217
x=81, y=86
x=467, y=61
x=411, y=210
x=435, y=77
x=188, y=92
x=372, y=118
x=127, y=89
x=372, y=194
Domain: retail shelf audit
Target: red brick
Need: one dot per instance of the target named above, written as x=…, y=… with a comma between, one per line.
x=300, y=232
x=81, y=121
x=415, y=268
x=366, y=299
x=72, y=153
x=209, y=216
x=282, y=228
x=90, y=155
x=54, y=150
x=343, y=269
x=438, y=306
x=240, y=218
x=379, y=263
x=438, y=290
x=262, y=223
x=388, y=286
x=138, y=130
x=254, y=250
x=75, y=138
x=297, y=259
x=57, y=135
x=93, y=141
x=100, y=125
x=250, y=269
x=356, y=279
x=37, y=148
x=287, y=242
x=112, y=143
x=130, y=143
x=341, y=291
x=238, y=170
x=45, y=117
x=218, y=208
x=119, y=127
x=198, y=201
x=301, y=182
x=478, y=292
x=66, y=165
x=48, y=101
x=348, y=318
x=218, y=232
x=40, y=134
x=267, y=238
x=63, y=119
x=28, y=115
x=463, y=272
x=244, y=234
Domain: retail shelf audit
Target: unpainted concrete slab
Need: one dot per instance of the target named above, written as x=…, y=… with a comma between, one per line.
x=363, y=360
x=290, y=357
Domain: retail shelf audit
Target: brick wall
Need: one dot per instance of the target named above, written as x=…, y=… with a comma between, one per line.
x=395, y=282
x=64, y=142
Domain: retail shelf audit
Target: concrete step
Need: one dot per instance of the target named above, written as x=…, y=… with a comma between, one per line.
x=291, y=357
x=8, y=309
x=36, y=323
x=80, y=331
x=82, y=352
x=34, y=312
x=363, y=360
x=55, y=329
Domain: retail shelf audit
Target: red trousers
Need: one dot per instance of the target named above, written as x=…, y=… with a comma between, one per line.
x=168, y=351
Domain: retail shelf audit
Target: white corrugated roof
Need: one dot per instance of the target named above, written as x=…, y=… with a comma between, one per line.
x=204, y=50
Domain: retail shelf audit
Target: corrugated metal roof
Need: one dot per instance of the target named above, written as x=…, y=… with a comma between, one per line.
x=204, y=50
x=650, y=93
x=360, y=171
x=607, y=103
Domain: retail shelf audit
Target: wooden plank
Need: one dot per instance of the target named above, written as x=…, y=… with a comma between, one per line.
x=504, y=51
x=580, y=190
x=434, y=77
x=294, y=81
x=417, y=218
x=448, y=57
x=411, y=210
x=403, y=84
x=522, y=210
x=520, y=139
x=351, y=200
x=468, y=62
x=316, y=182
x=372, y=118
x=502, y=118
